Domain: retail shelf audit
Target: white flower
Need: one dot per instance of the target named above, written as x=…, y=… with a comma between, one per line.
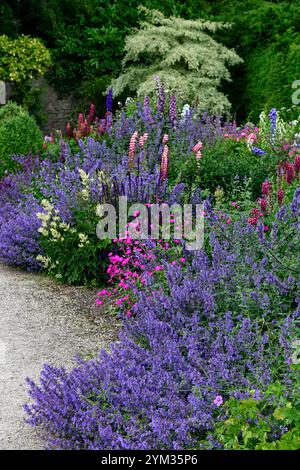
x=65, y=227
x=45, y=217
x=83, y=240
x=45, y=260
x=47, y=205
x=43, y=231
x=85, y=194
x=55, y=234
x=185, y=110
x=84, y=176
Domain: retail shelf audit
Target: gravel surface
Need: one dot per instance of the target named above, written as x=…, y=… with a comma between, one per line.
x=40, y=322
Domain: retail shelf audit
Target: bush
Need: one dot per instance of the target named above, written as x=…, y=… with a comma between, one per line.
x=72, y=253
x=19, y=135
x=22, y=59
x=10, y=110
x=221, y=165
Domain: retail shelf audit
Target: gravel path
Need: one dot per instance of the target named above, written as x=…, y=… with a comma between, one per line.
x=40, y=322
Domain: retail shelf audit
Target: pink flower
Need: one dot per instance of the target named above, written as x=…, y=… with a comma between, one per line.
x=182, y=260
x=103, y=292
x=266, y=188
x=197, y=147
x=263, y=204
x=290, y=172
x=164, y=163
x=280, y=196
x=218, y=401
x=252, y=220
x=158, y=268
x=132, y=143
x=297, y=164
x=251, y=138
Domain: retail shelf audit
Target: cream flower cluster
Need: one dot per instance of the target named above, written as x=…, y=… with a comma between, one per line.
x=52, y=225
x=85, y=193
x=83, y=240
x=54, y=228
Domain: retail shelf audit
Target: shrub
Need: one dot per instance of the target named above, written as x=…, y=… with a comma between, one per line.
x=224, y=329
x=10, y=110
x=72, y=253
x=22, y=59
x=19, y=134
x=220, y=166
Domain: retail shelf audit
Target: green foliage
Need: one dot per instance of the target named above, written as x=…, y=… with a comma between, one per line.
x=73, y=254
x=221, y=165
x=271, y=423
x=266, y=35
x=11, y=109
x=183, y=55
x=22, y=59
x=87, y=37
x=19, y=134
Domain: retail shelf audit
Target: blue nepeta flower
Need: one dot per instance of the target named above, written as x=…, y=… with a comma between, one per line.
x=258, y=151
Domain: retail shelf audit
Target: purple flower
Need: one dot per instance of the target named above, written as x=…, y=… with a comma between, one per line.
x=258, y=151
x=109, y=101
x=273, y=122
x=159, y=386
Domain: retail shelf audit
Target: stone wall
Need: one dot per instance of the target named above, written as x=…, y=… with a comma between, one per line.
x=55, y=108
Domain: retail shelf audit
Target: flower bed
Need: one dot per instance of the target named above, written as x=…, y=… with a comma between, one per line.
x=209, y=337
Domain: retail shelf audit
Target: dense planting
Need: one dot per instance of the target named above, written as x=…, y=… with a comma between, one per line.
x=208, y=354
x=222, y=328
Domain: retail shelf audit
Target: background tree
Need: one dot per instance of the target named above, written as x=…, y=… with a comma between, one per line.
x=86, y=39
x=183, y=55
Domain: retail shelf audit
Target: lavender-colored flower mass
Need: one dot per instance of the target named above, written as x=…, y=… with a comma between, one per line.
x=189, y=349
